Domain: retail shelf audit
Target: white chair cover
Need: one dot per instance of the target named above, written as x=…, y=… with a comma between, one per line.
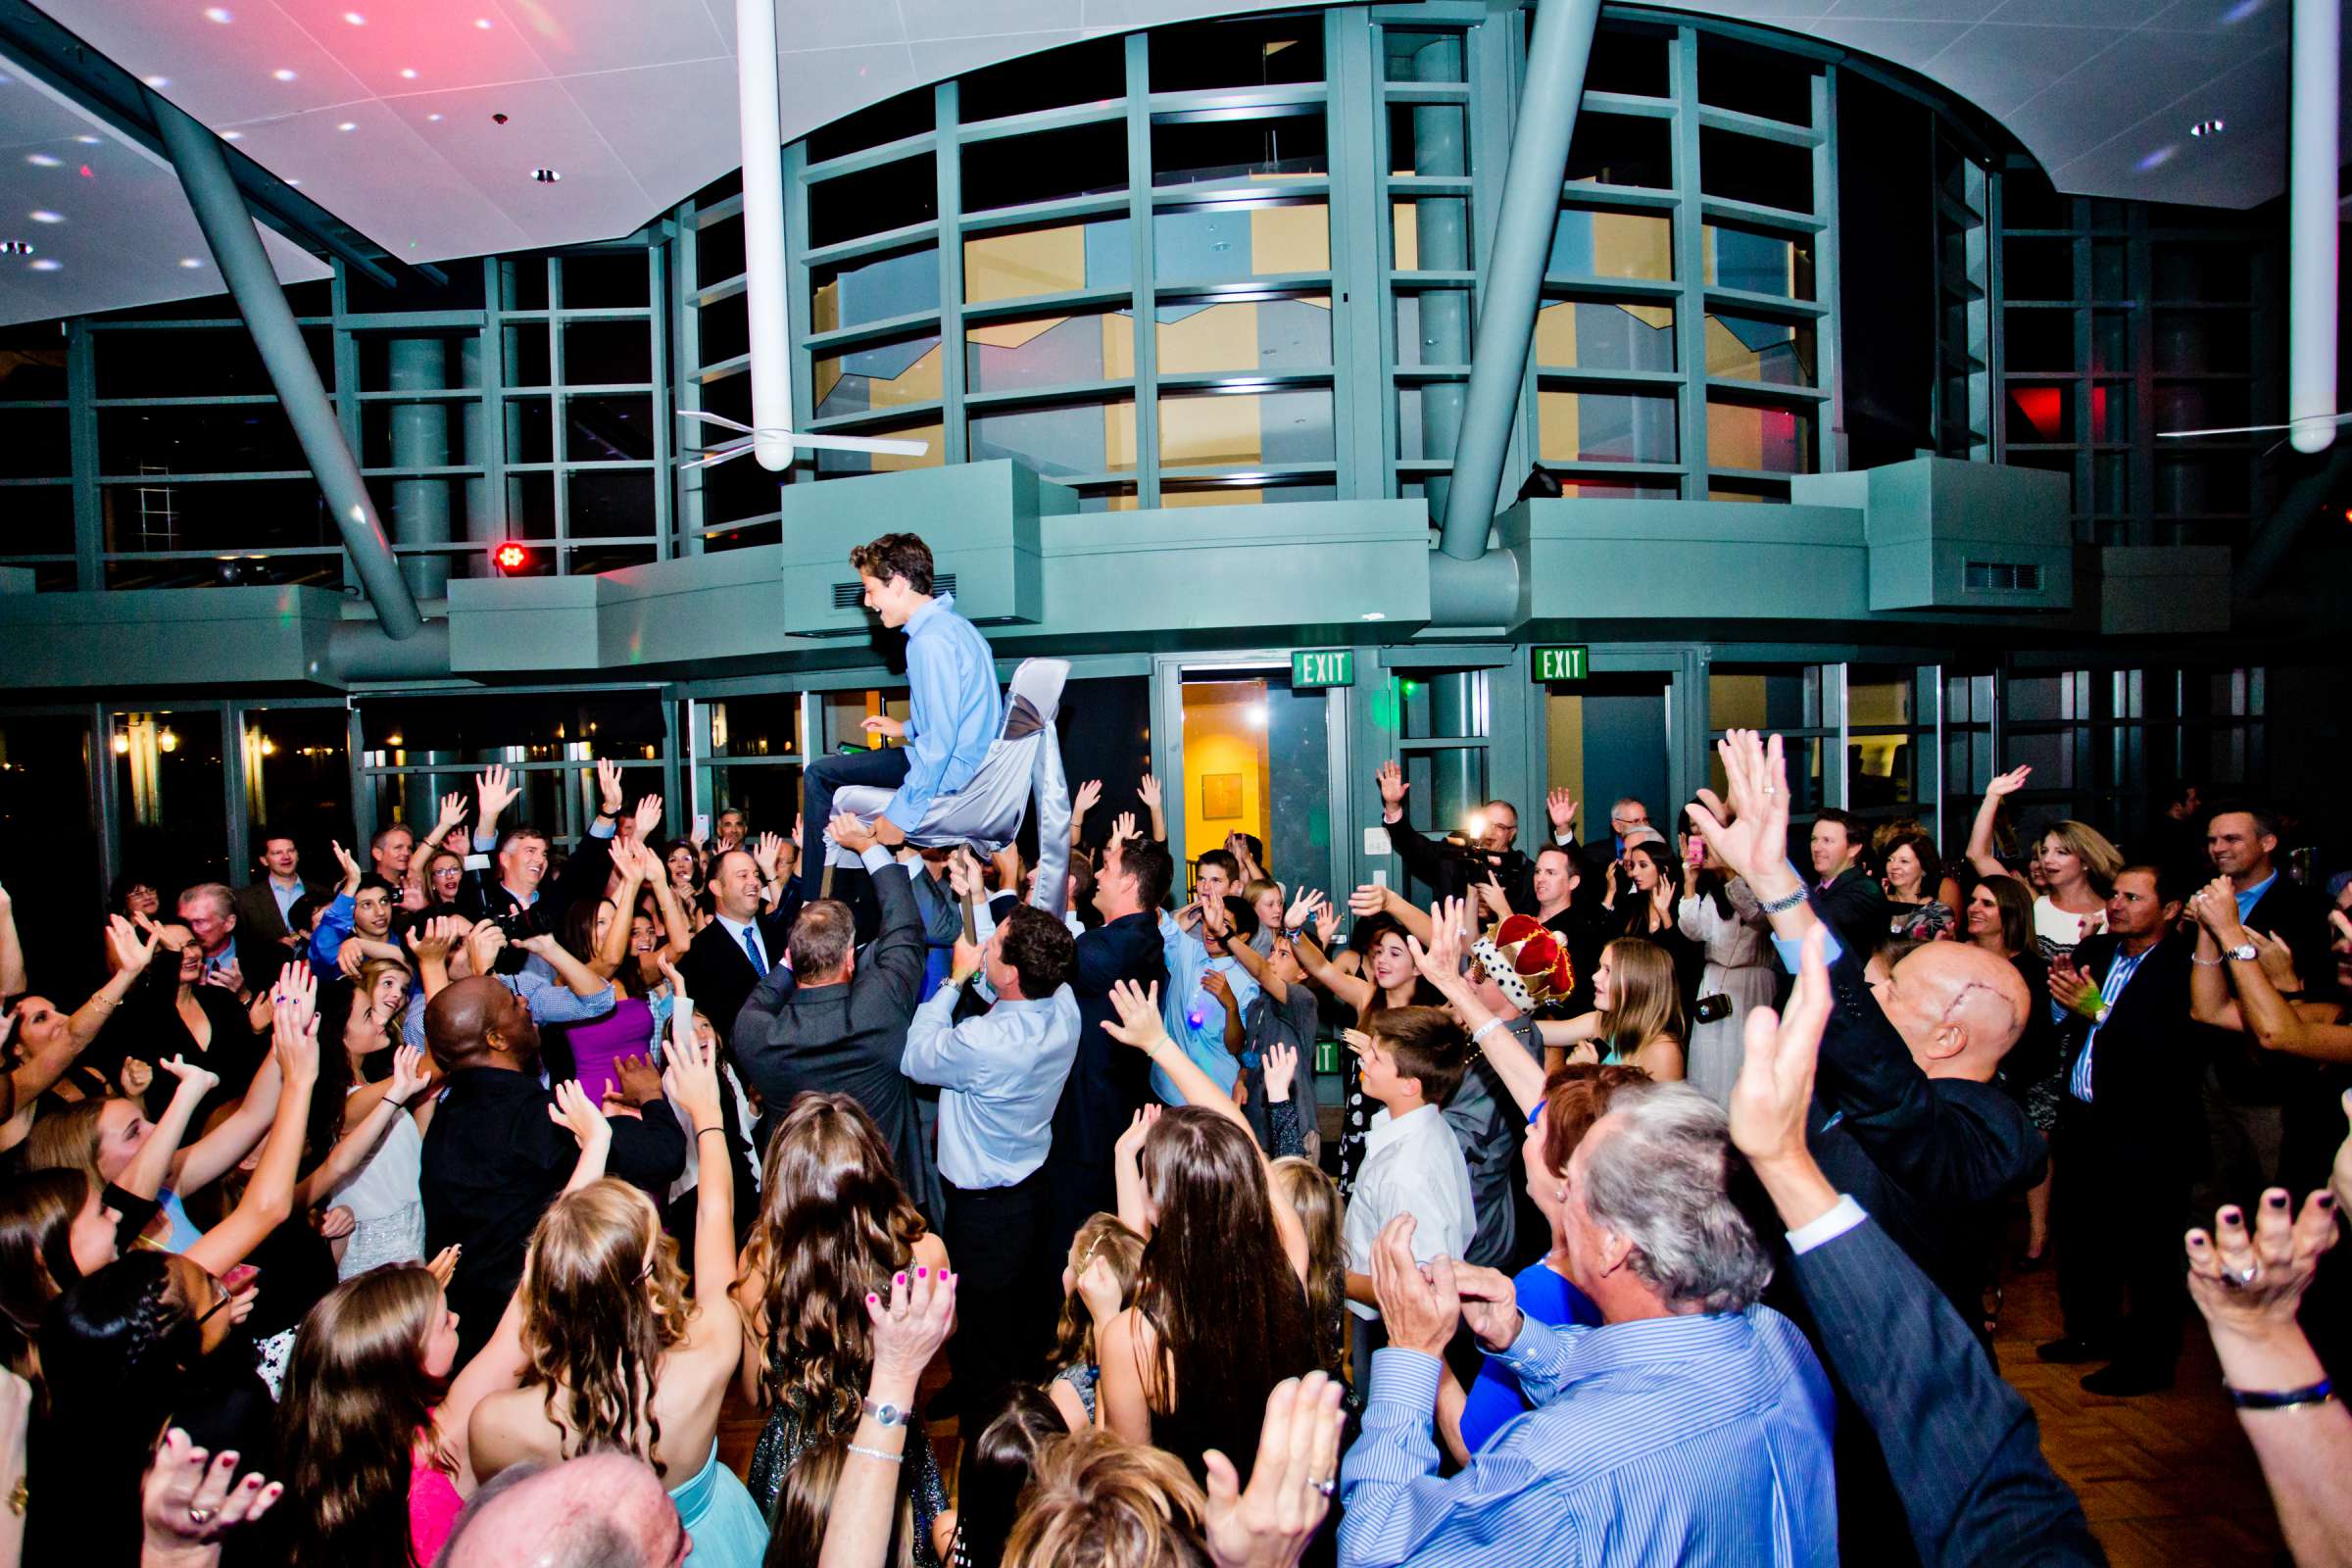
x=987, y=812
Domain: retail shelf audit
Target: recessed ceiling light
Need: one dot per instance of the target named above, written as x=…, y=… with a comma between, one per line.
x=41, y=160
x=218, y=14
x=282, y=74
x=348, y=124
x=190, y=261
x=158, y=82
x=545, y=177
x=232, y=135
x=44, y=215
x=47, y=263
x=2206, y=127
x=16, y=247
x=87, y=141
x=432, y=116
x=482, y=23
x=293, y=182
x=408, y=73
x=355, y=19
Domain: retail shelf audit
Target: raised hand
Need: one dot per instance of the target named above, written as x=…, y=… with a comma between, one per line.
x=1560, y=807
x=640, y=1083
x=483, y=944
x=578, y=1115
x=1492, y=894
x=910, y=1326
x=608, y=788
x=647, y=818
x=1215, y=919
x=452, y=811
x=198, y=1079
x=134, y=1076
x=1123, y=828
x=2214, y=905
x=1139, y=1022
x=297, y=988
x=2008, y=783
x=494, y=790
x=691, y=1077
x=1776, y=1075
x=1367, y=901
x=131, y=953
x=1391, y=780
x=1750, y=835
x=443, y=1265
x=2252, y=1286
x=1149, y=793
x=1302, y=910
x=1089, y=793
x=412, y=1076
x=1281, y=1065
x=350, y=868
x=1099, y=1290
x=186, y=1501
x=1270, y=1524
x=1139, y=1126
x=295, y=1044
x=1327, y=923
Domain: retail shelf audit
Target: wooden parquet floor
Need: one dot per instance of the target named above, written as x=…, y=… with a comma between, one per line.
x=2166, y=1480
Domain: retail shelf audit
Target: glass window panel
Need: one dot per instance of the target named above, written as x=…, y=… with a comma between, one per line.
x=1584, y=426
x=531, y=515
x=1878, y=698
x=719, y=251
x=1226, y=244
x=1428, y=419
x=873, y=201
x=1428, y=139
x=1757, y=260
x=1189, y=152
x=2110, y=270
x=1581, y=489
x=168, y=781
x=2037, y=268
x=1286, y=334
x=1748, y=348
x=32, y=361
x=1411, y=55
x=2192, y=341
x=1773, y=698
x=586, y=561
x=832, y=463
x=1062, y=441
x=33, y=443
x=530, y=430
x=1108, y=498
x=528, y=362
x=1432, y=233
x=1248, y=52
x=1744, y=435
x=609, y=428
x=1622, y=150
x=1059, y=260
x=1598, y=244
x=39, y=521
x=1755, y=81
x=770, y=797
x=233, y=438
x=909, y=113
x=2207, y=273
x=417, y=435
x=465, y=728
x=1433, y=327
x=2111, y=412
x=1199, y=430
x=1630, y=60
x=208, y=362
x=296, y=778
x=1045, y=166
x=2044, y=340
x=609, y=502
x=45, y=810
x=874, y=288
x=723, y=328
x=2042, y=414
x=1092, y=72
x=1607, y=335
x=1212, y=493
x=1048, y=351
x=765, y=724
x=606, y=279
x=2193, y=483
x=879, y=376
x=522, y=284
x=428, y=360
x=1448, y=704
x=2193, y=405
x=607, y=353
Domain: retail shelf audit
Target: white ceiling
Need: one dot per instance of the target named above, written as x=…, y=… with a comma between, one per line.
x=123, y=229
x=387, y=123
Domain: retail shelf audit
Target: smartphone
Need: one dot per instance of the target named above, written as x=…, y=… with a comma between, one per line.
x=702, y=826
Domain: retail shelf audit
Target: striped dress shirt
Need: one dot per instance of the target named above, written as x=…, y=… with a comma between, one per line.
x=1701, y=1439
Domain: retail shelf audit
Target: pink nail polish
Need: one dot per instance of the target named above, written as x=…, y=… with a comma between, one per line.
x=922, y=1273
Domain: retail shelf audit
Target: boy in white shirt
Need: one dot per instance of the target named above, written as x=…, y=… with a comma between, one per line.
x=1412, y=1061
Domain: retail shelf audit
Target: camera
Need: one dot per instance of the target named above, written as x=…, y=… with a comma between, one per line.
x=519, y=923
x=1710, y=1008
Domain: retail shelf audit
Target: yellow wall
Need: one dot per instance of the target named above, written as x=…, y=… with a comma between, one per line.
x=1224, y=733
x=1564, y=731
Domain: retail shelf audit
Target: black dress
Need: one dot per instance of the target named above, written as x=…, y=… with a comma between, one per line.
x=158, y=1032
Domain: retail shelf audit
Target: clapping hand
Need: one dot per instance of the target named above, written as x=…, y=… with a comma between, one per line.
x=2071, y=990
x=1268, y=1524
x=1139, y=1022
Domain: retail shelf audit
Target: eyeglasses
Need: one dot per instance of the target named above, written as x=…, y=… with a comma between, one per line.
x=223, y=1299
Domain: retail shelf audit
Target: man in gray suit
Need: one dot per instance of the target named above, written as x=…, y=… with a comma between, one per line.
x=261, y=906
x=835, y=1021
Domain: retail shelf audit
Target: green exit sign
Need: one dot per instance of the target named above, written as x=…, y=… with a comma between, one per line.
x=1322, y=667
x=1566, y=661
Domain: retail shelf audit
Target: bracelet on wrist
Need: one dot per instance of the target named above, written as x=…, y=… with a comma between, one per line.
x=705, y=1132
x=1783, y=905
x=2320, y=1393
x=883, y=1454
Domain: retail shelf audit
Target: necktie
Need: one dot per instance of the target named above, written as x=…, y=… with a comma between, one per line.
x=750, y=950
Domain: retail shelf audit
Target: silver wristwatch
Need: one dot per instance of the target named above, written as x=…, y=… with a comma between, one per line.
x=885, y=1414
x=2243, y=953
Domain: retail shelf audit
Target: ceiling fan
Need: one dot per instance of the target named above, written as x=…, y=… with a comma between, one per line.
x=751, y=438
x=2259, y=429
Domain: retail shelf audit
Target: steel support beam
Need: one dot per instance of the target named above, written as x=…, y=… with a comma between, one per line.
x=1514, y=273
x=2312, y=217
x=227, y=225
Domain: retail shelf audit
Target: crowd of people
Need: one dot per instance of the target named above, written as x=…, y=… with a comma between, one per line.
x=1660, y=1213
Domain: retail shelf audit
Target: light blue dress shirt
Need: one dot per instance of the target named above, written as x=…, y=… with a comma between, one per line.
x=550, y=1002
x=1000, y=1077
x=1184, y=1000
x=1700, y=1440
x=2247, y=898
x=953, y=709
x=2111, y=991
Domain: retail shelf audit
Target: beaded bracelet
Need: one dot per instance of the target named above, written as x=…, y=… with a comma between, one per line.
x=876, y=1454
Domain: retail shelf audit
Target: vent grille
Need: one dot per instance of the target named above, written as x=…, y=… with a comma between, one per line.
x=852, y=594
x=2001, y=576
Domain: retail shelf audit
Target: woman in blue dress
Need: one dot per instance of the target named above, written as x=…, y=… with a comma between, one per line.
x=620, y=1355
x=1575, y=1097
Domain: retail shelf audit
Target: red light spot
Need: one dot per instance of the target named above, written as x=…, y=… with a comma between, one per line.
x=511, y=557
x=85, y=172
x=2042, y=407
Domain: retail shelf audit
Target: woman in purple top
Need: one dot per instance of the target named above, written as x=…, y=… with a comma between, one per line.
x=604, y=936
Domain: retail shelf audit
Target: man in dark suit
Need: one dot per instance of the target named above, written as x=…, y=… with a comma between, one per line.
x=509, y=870
x=1846, y=896
x=2270, y=1119
x=261, y=906
x=2127, y=1138
x=744, y=942
x=1108, y=1083
x=1959, y=1443
x=836, y=1021
x=1453, y=870
x=493, y=1161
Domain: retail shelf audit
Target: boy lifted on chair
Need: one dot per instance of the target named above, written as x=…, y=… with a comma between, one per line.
x=954, y=708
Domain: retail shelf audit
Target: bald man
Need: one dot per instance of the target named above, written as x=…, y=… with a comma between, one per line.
x=493, y=1158
x=601, y=1510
